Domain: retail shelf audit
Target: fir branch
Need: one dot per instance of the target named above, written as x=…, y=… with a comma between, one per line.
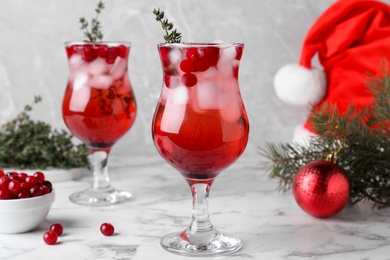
x=95, y=33
x=28, y=144
x=366, y=153
x=171, y=36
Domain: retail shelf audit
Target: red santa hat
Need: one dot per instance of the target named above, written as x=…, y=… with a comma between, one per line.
x=350, y=38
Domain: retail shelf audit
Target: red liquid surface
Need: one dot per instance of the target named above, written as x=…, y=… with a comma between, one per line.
x=107, y=116
x=204, y=145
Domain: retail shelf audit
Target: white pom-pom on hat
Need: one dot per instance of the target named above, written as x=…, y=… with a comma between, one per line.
x=297, y=85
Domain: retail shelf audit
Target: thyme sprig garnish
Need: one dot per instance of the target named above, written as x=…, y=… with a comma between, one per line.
x=95, y=33
x=28, y=144
x=171, y=36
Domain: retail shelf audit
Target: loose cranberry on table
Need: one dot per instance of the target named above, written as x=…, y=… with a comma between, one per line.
x=107, y=229
x=56, y=228
x=50, y=238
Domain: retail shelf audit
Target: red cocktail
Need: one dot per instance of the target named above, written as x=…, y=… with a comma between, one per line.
x=200, y=127
x=99, y=107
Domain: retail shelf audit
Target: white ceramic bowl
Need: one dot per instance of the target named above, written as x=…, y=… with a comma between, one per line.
x=22, y=215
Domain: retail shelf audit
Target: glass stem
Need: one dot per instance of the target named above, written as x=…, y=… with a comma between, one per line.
x=101, y=180
x=200, y=230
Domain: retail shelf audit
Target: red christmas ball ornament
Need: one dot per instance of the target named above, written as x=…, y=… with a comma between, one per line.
x=321, y=188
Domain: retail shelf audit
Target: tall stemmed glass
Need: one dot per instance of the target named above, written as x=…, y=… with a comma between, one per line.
x=99, y=107
x=200, y=127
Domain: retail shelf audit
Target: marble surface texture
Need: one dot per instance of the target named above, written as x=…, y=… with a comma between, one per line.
x=243, y=201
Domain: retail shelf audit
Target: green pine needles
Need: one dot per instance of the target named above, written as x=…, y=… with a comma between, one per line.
x=171, y=36
x=365, y=156
x=95, y=33
x=28, y=144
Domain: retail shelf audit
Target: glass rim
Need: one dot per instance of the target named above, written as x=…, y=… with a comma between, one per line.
x=202, y=44
x=109, y=43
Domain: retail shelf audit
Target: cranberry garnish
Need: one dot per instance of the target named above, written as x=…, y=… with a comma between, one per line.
x=112, y=53
x=88, y=53
x=187, y=66
x=14, y=187
x=56, y=228
x=102, y=51
x=189, y=79
x=212, y=54
x=123, y=51
x=107, y=229
x=239, y=53
x=202, y=64
x=50, y=237
x=193, y=54
x=164, y=55
x=70, y=50
x=39, y=176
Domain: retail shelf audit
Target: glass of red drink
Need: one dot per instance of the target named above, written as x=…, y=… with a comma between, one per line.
x=99, y=107
x=200, y=127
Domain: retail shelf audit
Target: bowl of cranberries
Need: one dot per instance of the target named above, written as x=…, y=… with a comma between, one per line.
x=25, y=201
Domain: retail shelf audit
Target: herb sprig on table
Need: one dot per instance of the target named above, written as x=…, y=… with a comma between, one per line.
x=95, y=33
x=171, y=36
x=28, y=144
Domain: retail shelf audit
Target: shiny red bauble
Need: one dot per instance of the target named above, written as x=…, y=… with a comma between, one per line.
x=321, y=188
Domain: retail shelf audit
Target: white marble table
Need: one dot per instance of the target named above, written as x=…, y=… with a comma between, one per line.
x=243, y=201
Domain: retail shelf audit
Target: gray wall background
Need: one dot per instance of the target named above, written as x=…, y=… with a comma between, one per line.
x=33, y=59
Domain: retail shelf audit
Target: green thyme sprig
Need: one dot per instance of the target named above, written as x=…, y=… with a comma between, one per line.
x=28, y=144
x=95, y=33
x=171, y=36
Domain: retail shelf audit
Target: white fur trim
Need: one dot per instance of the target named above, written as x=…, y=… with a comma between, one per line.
x=300, y=86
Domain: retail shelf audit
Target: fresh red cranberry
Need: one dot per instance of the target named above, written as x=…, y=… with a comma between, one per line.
x=25, y=186
x=1, y=173
x=189, y=79
x=15, y=178
x=107, y=229
x=112, y=54
x=102, y=51
x=212, y=54
x=187, y=66
x=164, y=55
x=35, y=191
x=123, y=51
x=239, y=53
x=4, y=180
x=48, y=184
x=70, y=50
x=23, y=176
x=39, y=176
x=202, y=64
x=50, y=238
x=45, y=190
x=5, y=194
x=14, y=187
x=88, y=53
x=31, y=180
x=192, y=54
x=56, y=228
x=24, y=194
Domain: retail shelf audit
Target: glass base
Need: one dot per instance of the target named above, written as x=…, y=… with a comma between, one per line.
x=219, y=245
x=103, y=197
